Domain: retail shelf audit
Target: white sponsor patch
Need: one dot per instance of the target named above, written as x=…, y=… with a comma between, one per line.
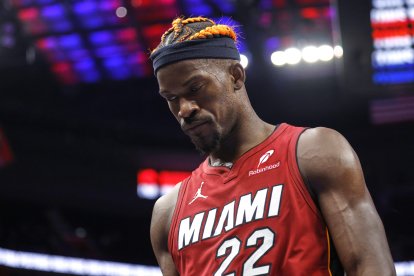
x=265, y=157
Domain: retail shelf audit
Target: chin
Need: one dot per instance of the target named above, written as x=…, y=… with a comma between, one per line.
x=206, y=145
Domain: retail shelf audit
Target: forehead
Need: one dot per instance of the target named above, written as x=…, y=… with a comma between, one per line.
x=181, y=68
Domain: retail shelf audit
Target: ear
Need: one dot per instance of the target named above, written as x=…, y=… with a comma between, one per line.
x=238, y=75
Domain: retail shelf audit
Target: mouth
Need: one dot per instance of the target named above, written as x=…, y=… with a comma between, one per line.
x=194, y=127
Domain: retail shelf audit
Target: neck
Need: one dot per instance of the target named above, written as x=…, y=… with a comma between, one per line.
x=246, y=134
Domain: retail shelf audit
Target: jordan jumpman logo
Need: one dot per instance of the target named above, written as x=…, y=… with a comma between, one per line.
x=198, y=194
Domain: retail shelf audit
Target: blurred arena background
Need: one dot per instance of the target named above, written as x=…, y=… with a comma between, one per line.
x=87, y=145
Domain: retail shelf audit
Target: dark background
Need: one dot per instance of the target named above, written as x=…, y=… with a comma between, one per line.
x=71, y=187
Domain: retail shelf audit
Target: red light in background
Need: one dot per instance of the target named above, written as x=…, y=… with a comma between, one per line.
x=310, y=13
x=140, y=3
x=46, y=43
x=328, y=12
x=126, y=35
x=392, y=24
x=167, y=2
x=64, y=72
x=6, y=155
x=146, y=3
x=172, y=177
x=29, y=14
x=279, y=3
x=62, y=67
x=138, y=58
x=18, y=3
x=131, y=47
x=147, y=176
x=36, y=27
x=390, y=33
x=312, y=2
x=156, y=30
x=147, y=184
x=151, y=184
x=110, y=5
x=266, y=19
x=155, y=12
x=153, y=34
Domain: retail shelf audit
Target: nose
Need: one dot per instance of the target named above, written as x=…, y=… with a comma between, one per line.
x=187, y=109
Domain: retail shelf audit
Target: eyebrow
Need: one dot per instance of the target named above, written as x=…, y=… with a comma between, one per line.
x=191, y=79
x=162, y=92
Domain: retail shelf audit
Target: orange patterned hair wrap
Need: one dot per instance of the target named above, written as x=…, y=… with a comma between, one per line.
x=220, y=48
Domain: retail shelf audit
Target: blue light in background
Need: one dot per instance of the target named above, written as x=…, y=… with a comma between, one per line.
x=112, y=19
x=43, y=2
x=94, y=14
x=393, y=77
x=47, y=43
x=84, y=65
x=108, y=51
x=56, y=56
x=266, y=4
x=138, y=71
x=78, y=54
x=136, y=58
x=92, y=22
x=86, y=71
x=225, y=6
x=394, y=66
x=53, y=12
x=71, y=41
x=272, y=44
x=190, y=3
x=101, y=38
x=61, y=26
x=114, y=62
x=117, y=67
x=90, y=76
x=119, y=73
x=109, y=5
x=197, y=7
x=241, y=46
x=83, y=8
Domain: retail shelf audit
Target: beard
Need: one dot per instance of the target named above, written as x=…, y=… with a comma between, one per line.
x=207, y=144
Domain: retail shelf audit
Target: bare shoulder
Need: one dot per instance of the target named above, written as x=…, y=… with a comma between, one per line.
x=160, y=224
x=164, y=209
x=321, y=141
x=332, y=170
x=323, y=155
x=168, y=199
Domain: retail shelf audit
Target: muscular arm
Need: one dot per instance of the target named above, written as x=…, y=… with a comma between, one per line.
x=332, y=169
x=160, y=225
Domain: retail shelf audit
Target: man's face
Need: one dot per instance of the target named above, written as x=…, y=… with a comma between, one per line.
x=200, y=95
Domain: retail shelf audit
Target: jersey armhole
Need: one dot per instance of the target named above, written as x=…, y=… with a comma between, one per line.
x=333, y=263
x=176, y=212
x=297, y=175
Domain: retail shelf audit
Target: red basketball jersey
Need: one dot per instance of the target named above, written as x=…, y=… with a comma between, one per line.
x=256, y=218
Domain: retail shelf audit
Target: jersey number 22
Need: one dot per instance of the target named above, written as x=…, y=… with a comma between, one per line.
x=249, y=267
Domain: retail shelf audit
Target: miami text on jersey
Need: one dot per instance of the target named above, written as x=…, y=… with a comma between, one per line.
x=247, y=209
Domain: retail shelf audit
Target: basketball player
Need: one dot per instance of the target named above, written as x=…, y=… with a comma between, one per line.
x=268, y=199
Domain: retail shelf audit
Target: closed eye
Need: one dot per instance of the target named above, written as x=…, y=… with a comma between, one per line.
x=195, y=88
x=171, y=98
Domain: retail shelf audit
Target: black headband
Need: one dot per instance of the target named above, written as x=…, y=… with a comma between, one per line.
x=222, y=47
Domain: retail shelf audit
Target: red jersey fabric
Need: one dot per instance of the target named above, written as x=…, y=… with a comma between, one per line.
x=256, y=218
